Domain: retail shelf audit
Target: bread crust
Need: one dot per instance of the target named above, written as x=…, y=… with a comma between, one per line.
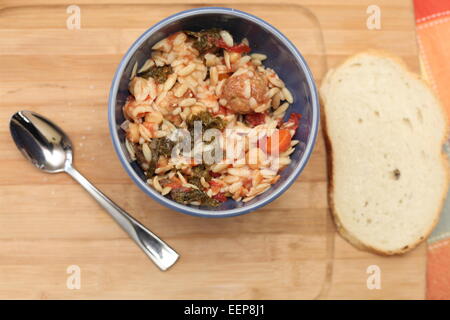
x=330, y=155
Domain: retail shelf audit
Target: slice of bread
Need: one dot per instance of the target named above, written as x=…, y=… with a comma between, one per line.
x=385, y=130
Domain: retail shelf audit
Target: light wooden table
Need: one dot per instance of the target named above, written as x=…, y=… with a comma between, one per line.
x=288, y=249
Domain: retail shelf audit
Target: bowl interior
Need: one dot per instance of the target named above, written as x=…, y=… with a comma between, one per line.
x=282, y=57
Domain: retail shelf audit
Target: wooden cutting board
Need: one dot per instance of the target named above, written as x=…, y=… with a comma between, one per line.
x=287, y=250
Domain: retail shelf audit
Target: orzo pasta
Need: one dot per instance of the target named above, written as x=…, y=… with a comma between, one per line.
x=205, y=119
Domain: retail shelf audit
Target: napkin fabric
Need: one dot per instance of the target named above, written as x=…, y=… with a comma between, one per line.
x=433, y=36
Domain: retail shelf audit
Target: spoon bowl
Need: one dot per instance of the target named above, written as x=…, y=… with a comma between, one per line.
x=42, y=142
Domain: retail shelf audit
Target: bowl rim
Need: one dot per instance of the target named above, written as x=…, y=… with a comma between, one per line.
x=185, y=208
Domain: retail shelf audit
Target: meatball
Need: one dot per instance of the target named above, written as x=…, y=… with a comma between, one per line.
x=239, y=90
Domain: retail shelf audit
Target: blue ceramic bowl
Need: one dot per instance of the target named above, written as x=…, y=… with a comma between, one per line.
x=283, y=57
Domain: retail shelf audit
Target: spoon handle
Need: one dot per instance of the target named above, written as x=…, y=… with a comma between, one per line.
x=158, y=251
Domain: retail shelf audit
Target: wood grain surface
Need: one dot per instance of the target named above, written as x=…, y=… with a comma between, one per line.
x=286, y=250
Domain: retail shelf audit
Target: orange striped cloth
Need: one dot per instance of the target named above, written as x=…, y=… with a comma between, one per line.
x=433, y=35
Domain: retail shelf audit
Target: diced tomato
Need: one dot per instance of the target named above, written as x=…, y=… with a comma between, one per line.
x=182, y=189
x=293, y=118
x=220, y=197
x=222, y=110
x=221, y=44
x=239, y=48
x=174, y=184
x=215, y=185
x=255, y=119
x=279, y=123
x=223, y=76
x=214, y=174
x=248, y=183
x=268, y=144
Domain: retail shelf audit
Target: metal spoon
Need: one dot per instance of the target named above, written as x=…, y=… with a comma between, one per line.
x=50, y=149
